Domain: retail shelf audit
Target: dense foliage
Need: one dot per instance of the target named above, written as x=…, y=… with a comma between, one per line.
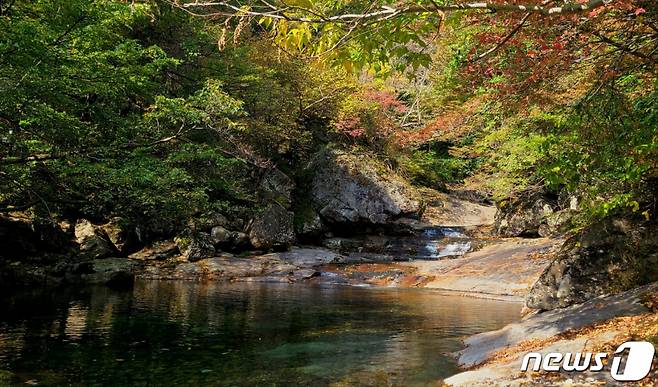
x=148, y=111
x=111, y=108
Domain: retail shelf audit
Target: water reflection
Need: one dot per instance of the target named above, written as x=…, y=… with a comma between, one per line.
x=238, y=334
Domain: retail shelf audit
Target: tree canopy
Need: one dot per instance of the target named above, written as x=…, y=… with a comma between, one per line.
x=156, y=110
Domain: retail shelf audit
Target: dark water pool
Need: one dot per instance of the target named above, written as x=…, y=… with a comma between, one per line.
x=182, y=333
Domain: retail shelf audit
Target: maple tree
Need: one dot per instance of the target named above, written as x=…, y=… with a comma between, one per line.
x=379, y=34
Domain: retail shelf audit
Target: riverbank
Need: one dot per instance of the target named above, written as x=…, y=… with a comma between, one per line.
x=599, y=325
x=503, y=270
x=449, y=250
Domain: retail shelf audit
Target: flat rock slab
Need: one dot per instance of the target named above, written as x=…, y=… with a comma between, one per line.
x=507, y=268
x=548, y=324
x=305, y=257
x=508, y=373
x=446, y=210
x=296, y=264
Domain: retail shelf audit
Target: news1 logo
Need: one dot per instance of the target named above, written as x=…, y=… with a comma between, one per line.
x=636, y=367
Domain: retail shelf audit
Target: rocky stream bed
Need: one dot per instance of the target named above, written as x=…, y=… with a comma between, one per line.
x=364, y=227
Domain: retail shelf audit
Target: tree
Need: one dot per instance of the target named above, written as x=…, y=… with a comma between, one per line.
x=375, y=33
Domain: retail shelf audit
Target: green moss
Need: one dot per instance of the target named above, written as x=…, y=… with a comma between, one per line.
x=183, y=242
x=304, y=213
x=6, y=377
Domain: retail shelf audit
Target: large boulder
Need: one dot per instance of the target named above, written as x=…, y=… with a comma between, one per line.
x=272, y=229
x=93, y=240
x=608, y=257
x=195, y=246
x=220, y=235
x=109, y=271
x=122, y=235
x=556, y=223
x=348, y=188
x=523, y=215
x=207, y=221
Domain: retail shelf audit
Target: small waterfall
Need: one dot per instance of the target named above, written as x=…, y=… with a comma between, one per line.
x=433, y=243
x=430, y=244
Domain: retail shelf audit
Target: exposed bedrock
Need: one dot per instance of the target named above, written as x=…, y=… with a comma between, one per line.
x=608, y=257
x=349, y=188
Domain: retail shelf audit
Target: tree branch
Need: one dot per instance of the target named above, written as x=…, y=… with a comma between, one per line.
x=386, y=12
x=87, y=152
x=502, y=42
x=624, y=48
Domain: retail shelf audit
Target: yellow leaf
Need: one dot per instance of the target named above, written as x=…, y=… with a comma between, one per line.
x=348, y=66
x=635, y=205
x=300, y=3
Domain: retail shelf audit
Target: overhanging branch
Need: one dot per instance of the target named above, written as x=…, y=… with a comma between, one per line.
x=504, y=40
x=223, y=8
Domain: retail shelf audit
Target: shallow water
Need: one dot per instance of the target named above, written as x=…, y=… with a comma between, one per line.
x=184, y=333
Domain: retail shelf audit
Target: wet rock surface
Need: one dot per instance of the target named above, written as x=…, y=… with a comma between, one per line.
x=289, y=266
x=108, y=271
x=506, y=268
x=431, y=243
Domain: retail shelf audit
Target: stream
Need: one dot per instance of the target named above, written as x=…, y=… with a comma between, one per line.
x=191, y=333
x=431, y=243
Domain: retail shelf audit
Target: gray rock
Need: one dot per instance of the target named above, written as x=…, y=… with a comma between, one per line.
x=607, y=257
x=350, y=188
x=109, y=271
x=93, y=241
x=207, y=221
x=195, y=246
x=272, y=229
x=121, y=235
x=276, y=186
x=219, y=235
x=544, y=325
x=522, y=216
x=157, y=251
x=554, y=224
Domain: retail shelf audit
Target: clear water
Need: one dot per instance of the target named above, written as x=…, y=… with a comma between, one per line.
x=184, y=333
